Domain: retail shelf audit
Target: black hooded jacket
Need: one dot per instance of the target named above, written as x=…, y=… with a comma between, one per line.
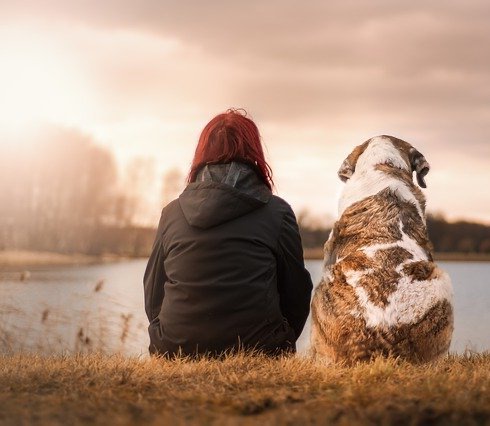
x=226, y=270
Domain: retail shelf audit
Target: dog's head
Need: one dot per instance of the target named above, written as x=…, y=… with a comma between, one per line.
x=386, y=150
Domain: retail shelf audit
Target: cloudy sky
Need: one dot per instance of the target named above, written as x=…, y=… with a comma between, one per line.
x=318, y=77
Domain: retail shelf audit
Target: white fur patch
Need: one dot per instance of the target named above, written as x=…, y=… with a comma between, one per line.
x=379, y=151
x=328, y=257
x=411, y=300
x=368, y=181
x=408, y=304
x=406, y=243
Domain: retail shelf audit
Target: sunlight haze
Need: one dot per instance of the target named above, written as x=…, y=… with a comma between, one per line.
x=318, y=78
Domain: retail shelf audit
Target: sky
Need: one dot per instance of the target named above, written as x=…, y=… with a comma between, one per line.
x=318, y=78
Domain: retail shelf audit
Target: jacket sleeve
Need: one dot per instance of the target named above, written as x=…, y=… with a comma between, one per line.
x=293, y=280
x=155, y=278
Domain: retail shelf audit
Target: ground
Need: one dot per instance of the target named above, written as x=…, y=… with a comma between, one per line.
x=242, y=389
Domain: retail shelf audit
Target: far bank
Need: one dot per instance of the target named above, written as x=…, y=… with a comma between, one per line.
x=15, y=260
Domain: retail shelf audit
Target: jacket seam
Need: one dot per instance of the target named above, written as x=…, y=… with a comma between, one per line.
x=280, y=231
x=159, y=247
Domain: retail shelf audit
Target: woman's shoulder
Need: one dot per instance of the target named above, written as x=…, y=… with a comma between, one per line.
x=280, y=205
x=168, y=211
x=170, y=206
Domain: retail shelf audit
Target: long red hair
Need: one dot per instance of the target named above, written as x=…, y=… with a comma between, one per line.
x=231, y=136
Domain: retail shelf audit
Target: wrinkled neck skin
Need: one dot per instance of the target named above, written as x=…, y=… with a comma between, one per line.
x=367, y=181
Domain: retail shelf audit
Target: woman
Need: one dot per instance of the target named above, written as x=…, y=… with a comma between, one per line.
x=227, y=270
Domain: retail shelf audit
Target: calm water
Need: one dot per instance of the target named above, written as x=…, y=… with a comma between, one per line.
x=101, y=307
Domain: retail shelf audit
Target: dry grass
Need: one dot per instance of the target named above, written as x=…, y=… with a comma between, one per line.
x=241, y=390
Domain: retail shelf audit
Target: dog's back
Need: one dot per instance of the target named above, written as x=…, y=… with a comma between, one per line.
x=383, y=294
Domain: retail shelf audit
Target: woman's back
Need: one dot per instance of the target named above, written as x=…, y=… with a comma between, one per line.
x=227, y=268
x=221, y=241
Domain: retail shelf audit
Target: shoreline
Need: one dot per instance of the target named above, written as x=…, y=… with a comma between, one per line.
x=25, y=259
x=317, y=254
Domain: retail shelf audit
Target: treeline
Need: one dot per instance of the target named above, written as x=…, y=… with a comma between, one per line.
x=59, y=191
x=447, y=237
x=461, y=236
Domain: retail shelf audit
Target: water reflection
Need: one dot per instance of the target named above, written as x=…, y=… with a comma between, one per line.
x=101, y=308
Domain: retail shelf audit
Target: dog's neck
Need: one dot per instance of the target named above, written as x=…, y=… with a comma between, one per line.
x=368, y=180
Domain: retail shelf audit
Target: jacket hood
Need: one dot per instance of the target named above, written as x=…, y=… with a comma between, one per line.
x=223, y=192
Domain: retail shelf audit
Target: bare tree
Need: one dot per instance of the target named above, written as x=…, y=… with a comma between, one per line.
x=56, y=189
x=138, y=180
x=172, y=185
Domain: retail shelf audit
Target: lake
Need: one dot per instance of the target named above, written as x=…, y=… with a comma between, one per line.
x=100, y=307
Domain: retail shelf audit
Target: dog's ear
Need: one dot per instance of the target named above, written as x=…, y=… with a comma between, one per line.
x=348, y=166
x=419, y=165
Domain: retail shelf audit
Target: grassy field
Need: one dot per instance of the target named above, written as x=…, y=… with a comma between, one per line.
x=241, y=389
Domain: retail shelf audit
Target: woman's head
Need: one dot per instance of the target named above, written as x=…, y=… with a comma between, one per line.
x=231, y=136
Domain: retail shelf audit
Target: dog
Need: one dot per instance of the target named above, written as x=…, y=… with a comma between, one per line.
x=381, y=293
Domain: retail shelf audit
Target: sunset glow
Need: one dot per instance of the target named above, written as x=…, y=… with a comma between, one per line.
x=144, y=81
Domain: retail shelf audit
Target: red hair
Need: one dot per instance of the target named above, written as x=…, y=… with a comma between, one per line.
x=228, y=137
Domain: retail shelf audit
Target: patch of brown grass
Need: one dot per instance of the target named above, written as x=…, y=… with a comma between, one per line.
x=241, y=389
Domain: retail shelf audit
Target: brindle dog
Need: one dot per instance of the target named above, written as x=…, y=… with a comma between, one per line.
x=381, y=293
